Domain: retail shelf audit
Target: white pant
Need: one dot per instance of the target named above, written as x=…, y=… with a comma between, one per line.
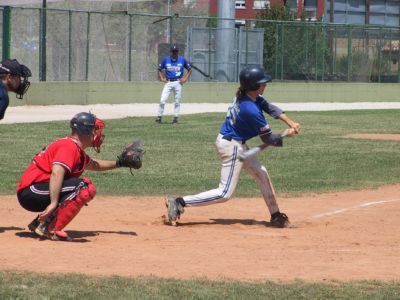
x=176, y=86
x=231, y=167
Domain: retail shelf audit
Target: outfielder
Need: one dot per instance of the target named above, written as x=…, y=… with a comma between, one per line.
x=244, y=121
x=52, y=185
x=174, y=66
x=13, y=78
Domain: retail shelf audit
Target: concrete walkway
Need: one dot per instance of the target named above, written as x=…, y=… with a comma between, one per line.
x=28, y=114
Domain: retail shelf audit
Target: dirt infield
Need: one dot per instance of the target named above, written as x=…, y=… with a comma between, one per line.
x=343, y=236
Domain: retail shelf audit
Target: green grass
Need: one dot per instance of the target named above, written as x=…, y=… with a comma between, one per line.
x=182, y=159
x=58, y=286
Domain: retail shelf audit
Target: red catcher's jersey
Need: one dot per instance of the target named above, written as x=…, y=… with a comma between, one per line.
x=65, y=152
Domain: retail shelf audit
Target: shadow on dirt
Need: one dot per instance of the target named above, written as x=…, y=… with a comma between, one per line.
x=3, y=229
x=77, y=236
x=248, y=222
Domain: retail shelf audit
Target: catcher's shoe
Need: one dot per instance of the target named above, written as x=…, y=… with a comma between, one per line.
x=58, y=235
x=42, y=231
x=34, y=224
x=158, y=120
x=175, y=121
x=281, y=220
x=175, y=209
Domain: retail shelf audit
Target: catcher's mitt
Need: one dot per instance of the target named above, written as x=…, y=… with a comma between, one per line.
x=131, y=156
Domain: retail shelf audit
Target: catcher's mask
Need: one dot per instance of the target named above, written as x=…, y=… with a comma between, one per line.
x=13, y=67
x=251, y=77
x=87, y=124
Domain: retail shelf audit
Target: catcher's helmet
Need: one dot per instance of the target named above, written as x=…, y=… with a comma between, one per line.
x=251, y=77
x=83, y=122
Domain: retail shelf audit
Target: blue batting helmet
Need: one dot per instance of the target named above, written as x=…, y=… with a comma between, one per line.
x=252, y=76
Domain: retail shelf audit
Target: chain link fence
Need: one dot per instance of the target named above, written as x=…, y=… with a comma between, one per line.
x=74, y=45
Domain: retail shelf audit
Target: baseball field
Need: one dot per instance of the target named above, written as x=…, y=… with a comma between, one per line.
x=338, y=181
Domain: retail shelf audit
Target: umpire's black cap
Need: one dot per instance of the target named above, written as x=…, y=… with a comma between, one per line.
x=174, y=48
x=12, y=66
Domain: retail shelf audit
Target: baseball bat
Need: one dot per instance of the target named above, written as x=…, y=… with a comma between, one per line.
x=253, y=151
x=200, y=71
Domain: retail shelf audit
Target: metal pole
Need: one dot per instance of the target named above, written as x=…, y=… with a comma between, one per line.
x=168, y=23
x=130, y=49
x=282, y=47
x=334, y=51
x=87, y=46
x=331, y=11
x=349, y=52
x=42, y=42
x=398, y=59
x=6, y=32
x=209, y=51
x=316, y=52
x=69, y=45
x=276, y=49
x=379, y=54
x=324, y=40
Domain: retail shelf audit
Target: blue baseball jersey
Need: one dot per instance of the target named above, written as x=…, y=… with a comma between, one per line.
x=174, y=67
x=4, y=101
x=244, y=120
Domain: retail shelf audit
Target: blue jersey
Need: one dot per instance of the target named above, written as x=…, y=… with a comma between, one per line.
x=244, y=120
x=174, y=67
x=3, y=100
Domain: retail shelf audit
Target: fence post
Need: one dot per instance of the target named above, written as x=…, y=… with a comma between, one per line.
x=87, y=47
x=316, y=51
x=171, y=26
x=130, y=49
x=276, y=49
x=324, y=43
x=380, y=54
x=42, y=42
x=398, y=59
x=307, y=25
x=282, y=47
x=209, y=51
x=69, y=45
x=6, y=32
x=349, y=52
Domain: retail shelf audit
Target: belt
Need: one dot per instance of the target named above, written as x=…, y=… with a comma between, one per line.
x=173, y=79
x=229, y=138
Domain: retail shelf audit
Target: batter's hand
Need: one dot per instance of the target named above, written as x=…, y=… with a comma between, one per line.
x=290, y=132
x=296, y=127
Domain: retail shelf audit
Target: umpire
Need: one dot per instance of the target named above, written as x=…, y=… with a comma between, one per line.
x=13, y=78
x=173, y=65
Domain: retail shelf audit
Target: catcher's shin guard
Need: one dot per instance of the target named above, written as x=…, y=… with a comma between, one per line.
x=70, y=208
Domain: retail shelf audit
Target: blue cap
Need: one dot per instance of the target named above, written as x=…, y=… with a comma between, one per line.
x=174, y=48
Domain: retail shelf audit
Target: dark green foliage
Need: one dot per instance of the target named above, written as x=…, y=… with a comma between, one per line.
x=293, y=50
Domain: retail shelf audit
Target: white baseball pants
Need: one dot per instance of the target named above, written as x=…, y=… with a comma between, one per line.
x=175, y=86
x=231, y=167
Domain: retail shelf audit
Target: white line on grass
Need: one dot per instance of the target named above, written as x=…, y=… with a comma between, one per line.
x=363, y=205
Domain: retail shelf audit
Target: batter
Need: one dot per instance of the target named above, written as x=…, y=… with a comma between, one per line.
x=244, y=120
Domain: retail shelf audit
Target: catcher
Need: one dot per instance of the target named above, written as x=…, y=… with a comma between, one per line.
x=52, y=186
